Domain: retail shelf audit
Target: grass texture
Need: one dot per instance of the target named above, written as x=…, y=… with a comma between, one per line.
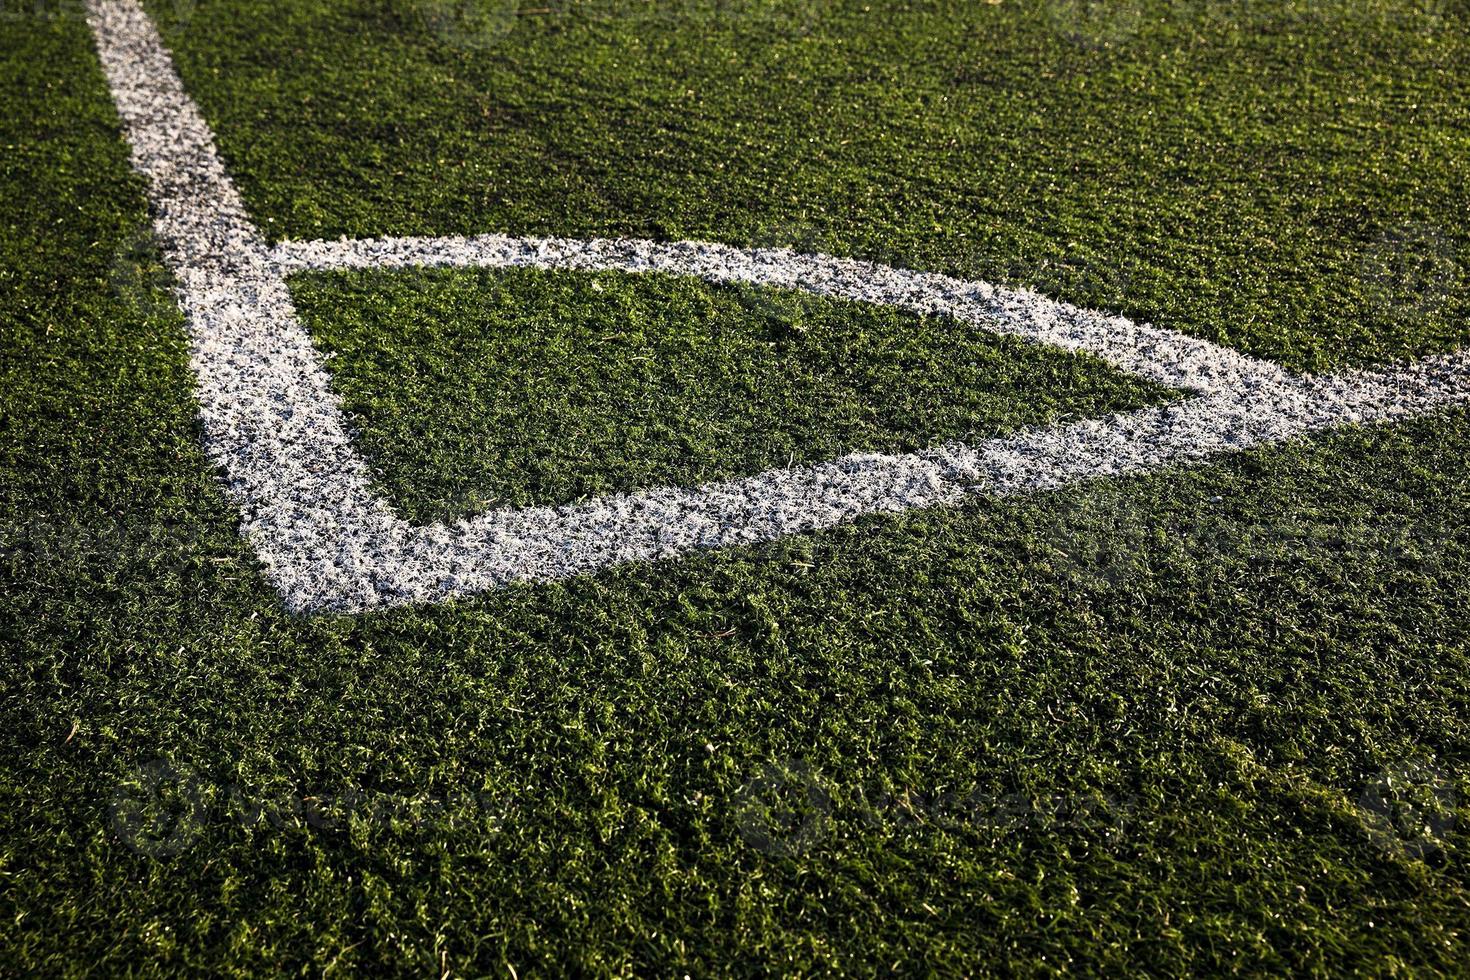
x=1206, y=721
x=1291, y=179
x=471, y=389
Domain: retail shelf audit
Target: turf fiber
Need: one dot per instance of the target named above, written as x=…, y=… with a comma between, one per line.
x=1291, y=179
x=1215, y=720
x=478, y=388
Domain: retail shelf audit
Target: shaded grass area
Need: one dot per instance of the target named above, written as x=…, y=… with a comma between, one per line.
x=476, y=388
x=1205, y=721
x=1286, y=178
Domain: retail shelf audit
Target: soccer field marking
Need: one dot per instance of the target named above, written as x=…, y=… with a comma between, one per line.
x=330, y=542
x=1163, y=356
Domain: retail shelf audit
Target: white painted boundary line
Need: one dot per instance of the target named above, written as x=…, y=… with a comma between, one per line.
x=329, y=542
x=1163, y=356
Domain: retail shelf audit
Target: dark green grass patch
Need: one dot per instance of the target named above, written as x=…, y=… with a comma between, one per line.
x=1204, y=722
x=515, y=387
x=1292, y=179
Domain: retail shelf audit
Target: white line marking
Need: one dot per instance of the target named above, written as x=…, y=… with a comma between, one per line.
x=1163, y=356
x=330, y=543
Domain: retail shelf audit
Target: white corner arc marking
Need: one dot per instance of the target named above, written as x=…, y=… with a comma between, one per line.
x=329, y=542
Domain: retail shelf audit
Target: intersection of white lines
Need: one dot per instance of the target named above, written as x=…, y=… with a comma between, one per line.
x=330, y=542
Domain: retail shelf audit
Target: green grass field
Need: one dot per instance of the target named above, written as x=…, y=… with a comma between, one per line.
x=1210, y=720
x=476, y=388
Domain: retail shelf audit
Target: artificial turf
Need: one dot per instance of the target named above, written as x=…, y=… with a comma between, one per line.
x=1213, y=720
x=1291, y=179
x=471, y=388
